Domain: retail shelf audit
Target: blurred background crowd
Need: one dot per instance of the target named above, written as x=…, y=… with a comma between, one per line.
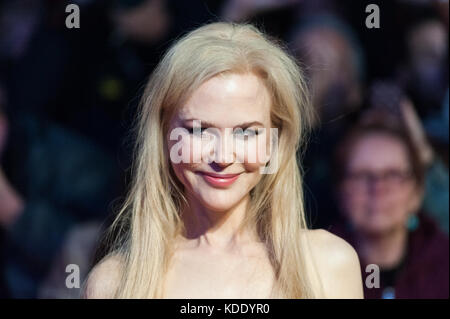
x=376, y=169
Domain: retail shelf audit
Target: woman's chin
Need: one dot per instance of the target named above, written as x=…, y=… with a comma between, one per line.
x=219, y=202
x=379, y=227
x=218, y=206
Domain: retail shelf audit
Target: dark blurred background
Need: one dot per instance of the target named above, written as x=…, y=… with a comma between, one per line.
x=376, y=169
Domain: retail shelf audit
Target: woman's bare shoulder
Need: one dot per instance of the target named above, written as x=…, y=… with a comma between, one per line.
x=104, y=278
x=337, y=264
x=326, y=243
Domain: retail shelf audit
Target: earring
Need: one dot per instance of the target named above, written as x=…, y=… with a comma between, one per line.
x=413, y=222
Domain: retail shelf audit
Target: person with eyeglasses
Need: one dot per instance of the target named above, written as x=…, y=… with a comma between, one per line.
x=379, y=187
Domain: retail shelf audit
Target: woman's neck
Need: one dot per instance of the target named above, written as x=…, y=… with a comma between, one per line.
x=216, y=229
x=386, y=250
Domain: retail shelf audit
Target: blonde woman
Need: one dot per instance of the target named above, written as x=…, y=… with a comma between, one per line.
x=203, y=218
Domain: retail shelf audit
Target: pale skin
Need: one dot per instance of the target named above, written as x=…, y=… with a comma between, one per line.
x=212, y=260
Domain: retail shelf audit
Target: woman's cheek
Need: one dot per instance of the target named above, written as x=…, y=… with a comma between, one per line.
x=354, y=201
x=186, y=149
x=196, y=150
x=254, y=152
x=407, y=201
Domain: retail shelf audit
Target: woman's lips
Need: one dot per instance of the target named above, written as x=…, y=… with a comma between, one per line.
x=219, y=180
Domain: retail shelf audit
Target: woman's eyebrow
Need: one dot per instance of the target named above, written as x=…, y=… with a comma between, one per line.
x=209, y=124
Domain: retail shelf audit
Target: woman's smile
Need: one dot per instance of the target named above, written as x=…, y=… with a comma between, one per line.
x=219, y=180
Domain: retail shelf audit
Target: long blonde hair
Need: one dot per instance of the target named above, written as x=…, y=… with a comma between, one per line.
x=149, y=221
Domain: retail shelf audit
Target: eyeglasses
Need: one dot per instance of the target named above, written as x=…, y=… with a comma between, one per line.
x=390, y=177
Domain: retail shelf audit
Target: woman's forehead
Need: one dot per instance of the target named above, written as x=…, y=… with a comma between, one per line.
x=378, y=151
x=228, y=99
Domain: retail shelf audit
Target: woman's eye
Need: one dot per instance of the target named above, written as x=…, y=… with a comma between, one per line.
x=191, y=130
x=245, y=133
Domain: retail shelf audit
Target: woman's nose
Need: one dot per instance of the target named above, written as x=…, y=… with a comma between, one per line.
x=377, y=185
x=224, y=151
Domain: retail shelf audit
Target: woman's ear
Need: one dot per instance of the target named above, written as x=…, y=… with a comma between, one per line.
x=416, y=200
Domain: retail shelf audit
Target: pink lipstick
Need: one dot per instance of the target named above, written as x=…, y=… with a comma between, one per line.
x=219, y=180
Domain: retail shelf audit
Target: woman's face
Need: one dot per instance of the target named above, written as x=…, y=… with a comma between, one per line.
x=219, y=163
x=378, y=192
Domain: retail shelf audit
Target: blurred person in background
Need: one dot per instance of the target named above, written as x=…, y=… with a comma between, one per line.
x=379, y=178
x=425, y=78
x=334, y=66
x=51, y=179
x=84, y=79
x=425, y=73
x=437, y=128
x=395, y=106
x=276, y=16
x=328, y=48
x=11, y=203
